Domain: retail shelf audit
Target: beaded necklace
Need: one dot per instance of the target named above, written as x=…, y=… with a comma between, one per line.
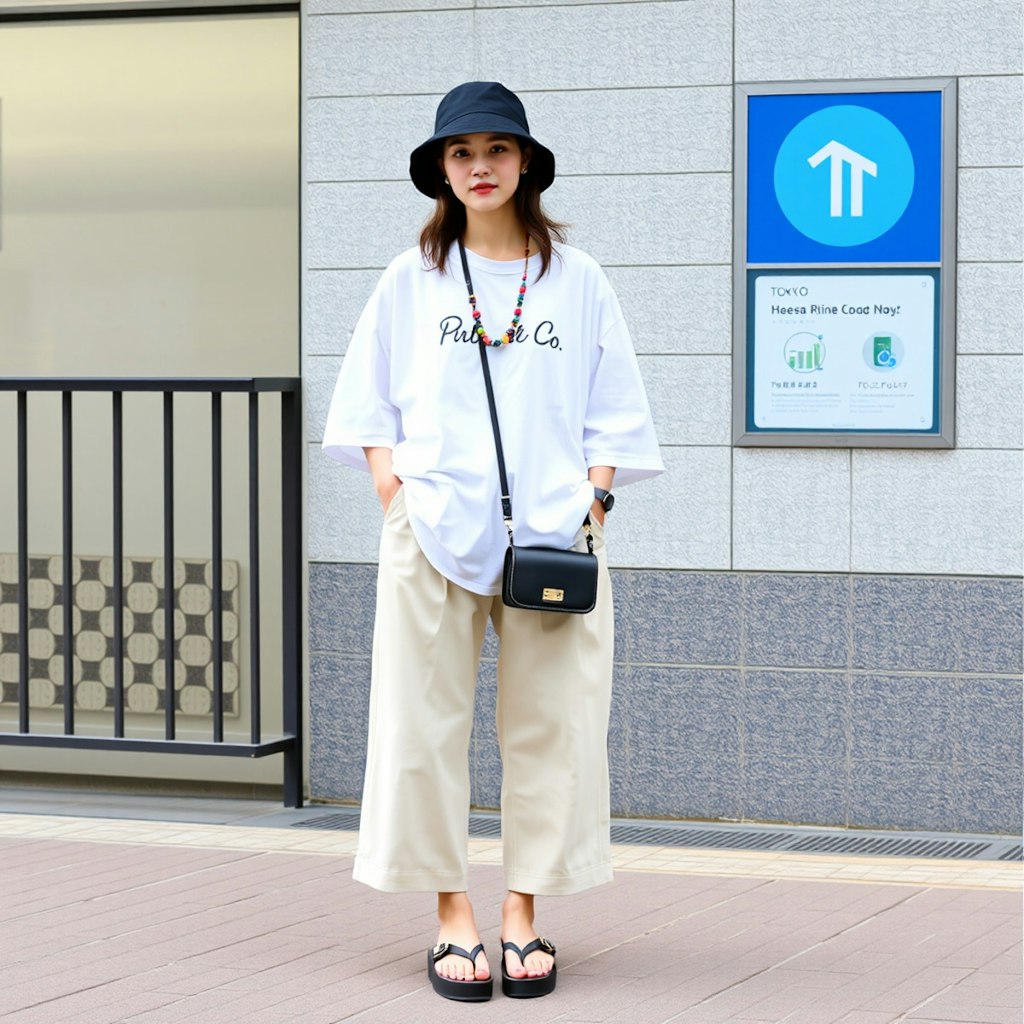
x=509, y=335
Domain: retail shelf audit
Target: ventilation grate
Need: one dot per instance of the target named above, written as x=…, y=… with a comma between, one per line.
x=719, y=839
x=481, y=826
x=485, y=826
x=687, y=835
x=884, y=846
x=343, y=821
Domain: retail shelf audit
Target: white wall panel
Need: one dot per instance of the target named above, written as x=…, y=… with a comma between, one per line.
x=937, y=512
x=674, y=310
x=606, y=45
x=672, y=219
x=678, y=520
x=333, y=301
x=990, y=307
x=635, y=131
x=561, y=3
x=989, y=216
x=691, y=398
x=361, y=224
x=608, y=131
x=990, y=118
x=382, y=6
x=366, y=138
x=634, y=97
x=378, y=54
x=805, y=39
x=791, y=509
x=321, y=374
x=344, y=513
x=989, y=401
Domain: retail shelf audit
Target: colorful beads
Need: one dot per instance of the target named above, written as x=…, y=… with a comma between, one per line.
x=509, y=336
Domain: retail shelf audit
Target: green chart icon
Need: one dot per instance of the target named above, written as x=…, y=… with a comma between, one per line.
x=804, y=352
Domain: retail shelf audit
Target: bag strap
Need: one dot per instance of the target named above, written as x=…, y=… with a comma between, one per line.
x=506, y=497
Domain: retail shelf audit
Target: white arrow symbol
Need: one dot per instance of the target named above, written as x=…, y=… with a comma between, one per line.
x=859, y=166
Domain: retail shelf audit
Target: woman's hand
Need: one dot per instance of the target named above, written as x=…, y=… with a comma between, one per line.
x=384, y=480
x=386, y=491
x=597, y=512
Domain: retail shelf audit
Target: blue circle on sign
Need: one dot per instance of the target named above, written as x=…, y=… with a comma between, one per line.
x=844, y=175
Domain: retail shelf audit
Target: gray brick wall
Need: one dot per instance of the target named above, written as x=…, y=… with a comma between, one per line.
x=876, y=701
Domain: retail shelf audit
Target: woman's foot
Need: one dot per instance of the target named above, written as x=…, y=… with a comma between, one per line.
x=517, y=927
x=458, y=927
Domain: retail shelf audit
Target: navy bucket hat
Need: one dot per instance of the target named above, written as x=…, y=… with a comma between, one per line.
x=477, y=107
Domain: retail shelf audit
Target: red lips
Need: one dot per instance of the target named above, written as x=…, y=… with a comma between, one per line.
x=483, y=189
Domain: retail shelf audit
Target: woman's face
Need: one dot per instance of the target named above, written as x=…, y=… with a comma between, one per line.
x=483, y=169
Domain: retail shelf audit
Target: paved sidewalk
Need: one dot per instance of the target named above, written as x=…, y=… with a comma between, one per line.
x=120, y=919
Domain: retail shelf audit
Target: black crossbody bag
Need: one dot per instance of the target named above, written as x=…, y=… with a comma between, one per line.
x=538, y=579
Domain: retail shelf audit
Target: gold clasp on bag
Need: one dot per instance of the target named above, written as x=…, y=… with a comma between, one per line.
x=551, y=594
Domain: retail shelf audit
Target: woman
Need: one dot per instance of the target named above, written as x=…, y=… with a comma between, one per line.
x=410, y=406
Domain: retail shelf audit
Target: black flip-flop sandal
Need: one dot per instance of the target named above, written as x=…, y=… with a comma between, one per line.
x=526, y=988
x=464, y=991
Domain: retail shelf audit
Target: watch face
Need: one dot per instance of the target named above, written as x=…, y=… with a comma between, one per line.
x=609, y=501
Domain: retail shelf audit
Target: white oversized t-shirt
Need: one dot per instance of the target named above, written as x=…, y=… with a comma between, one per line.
x=568, y=393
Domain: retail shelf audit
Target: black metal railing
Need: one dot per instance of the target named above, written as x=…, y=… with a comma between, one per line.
x=290, y=742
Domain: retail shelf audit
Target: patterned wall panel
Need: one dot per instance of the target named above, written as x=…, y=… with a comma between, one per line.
x=93, y=626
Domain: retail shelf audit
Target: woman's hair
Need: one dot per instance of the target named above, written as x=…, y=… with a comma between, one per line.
x=448, y=222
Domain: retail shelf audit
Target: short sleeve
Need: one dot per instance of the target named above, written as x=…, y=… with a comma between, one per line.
x=618, y=428
x=361, y=414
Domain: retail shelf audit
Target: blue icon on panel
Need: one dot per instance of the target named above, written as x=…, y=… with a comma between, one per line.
x=844, y=175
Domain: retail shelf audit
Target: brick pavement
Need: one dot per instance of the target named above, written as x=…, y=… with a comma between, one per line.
x=103, y=922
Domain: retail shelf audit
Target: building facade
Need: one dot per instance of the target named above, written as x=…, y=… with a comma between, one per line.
x=817, y=635
x=822, y=636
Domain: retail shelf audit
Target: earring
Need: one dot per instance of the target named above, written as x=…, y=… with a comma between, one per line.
x=446, y=181
x=523, y=171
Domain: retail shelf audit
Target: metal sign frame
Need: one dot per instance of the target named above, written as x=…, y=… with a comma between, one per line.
x=942, y=432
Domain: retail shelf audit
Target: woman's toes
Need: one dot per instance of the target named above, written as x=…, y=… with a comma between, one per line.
x=514, y=966
x=538, y=965
x=457, y=968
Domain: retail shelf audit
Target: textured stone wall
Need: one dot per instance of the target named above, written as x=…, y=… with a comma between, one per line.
x=635, y=98
x=886, y=701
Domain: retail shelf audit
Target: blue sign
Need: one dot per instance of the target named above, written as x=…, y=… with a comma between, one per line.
x=845, y=178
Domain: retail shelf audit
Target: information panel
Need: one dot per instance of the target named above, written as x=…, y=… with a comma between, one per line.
x=838, y=351
x=843, y=283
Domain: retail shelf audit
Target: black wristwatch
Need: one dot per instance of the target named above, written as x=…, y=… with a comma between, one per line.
x=606, y=498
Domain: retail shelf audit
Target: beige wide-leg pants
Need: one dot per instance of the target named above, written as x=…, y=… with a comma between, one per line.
x=554, y=692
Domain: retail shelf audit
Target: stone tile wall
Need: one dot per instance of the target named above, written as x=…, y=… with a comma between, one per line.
x=875, y=701
x=826, y=636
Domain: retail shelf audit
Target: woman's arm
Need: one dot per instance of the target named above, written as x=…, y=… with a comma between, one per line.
x=384, y=480
x=600, y=476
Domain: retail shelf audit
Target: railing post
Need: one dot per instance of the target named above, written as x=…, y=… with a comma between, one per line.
x=218, y=568
x=290, y=744
x=68, y=581
x=23, y=665
x=169, y=565
x=291, y=571
x=118, y=581
x=255, y=657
